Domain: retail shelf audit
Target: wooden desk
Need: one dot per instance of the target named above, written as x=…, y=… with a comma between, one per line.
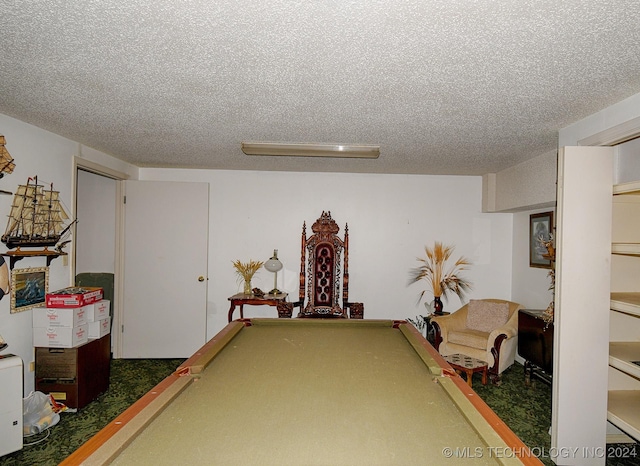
x=535, y=344
x=241, y=299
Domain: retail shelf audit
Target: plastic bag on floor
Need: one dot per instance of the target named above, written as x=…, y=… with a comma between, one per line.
x=37, y=414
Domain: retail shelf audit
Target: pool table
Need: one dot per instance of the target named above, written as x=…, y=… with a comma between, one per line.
x=307, y=392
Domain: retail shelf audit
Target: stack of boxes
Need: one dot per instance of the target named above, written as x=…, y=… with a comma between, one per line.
x=71, y=317
x=73, y=345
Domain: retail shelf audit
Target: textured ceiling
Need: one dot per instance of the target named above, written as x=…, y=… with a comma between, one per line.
x=443, y=86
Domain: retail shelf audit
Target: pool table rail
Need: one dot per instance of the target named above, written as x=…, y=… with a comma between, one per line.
x=462, y=394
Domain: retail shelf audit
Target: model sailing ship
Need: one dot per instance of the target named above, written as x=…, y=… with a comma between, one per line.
x=37, y=218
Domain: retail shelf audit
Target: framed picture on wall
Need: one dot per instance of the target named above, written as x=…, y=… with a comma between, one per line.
x=29, y=288
x=540, y=229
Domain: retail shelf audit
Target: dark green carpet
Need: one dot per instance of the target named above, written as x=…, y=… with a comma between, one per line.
x=130, y=379
x=526, y=409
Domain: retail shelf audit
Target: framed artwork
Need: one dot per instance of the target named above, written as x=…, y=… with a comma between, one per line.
x=540, y=226
x=29, y=288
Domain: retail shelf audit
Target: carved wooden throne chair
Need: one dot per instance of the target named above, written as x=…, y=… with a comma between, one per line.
x=324, y=272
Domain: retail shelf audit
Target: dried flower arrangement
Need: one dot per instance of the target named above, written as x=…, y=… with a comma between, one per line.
x=548, y=314
x=246, y=271
x=442, y=279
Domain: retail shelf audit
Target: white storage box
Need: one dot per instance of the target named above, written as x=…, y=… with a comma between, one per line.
x=100, y=328
x=59, y=317
x=60, y=337
x=98, y=310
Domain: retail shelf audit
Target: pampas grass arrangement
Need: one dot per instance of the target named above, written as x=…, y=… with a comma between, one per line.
x=442, y=279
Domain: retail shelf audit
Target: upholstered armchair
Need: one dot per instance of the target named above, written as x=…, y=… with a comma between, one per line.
x=485, y=329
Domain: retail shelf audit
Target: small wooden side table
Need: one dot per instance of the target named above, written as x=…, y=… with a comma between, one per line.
x=468, y=365
x=241, y=299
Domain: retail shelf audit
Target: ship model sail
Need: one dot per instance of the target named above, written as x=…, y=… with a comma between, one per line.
x=37, y=218
x=6, y=161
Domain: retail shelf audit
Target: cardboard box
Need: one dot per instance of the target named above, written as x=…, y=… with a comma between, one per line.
x=59, y=317
x=98, y=310
x=74, y=296
x=60, y=337
x=100, y=328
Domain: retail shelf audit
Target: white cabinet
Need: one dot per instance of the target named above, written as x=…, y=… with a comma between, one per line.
x=623, y=409
x=10, y=404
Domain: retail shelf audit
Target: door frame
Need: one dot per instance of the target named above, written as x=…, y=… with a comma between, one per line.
x=119, y=177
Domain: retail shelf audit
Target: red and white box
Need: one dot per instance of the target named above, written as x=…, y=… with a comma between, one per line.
x=59, y=317
x=74, y=296
x=98, y=310
x=100, y=328
x=60, y=337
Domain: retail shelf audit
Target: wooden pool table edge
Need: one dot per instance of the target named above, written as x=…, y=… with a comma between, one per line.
x=461, y=394
x=103, y=447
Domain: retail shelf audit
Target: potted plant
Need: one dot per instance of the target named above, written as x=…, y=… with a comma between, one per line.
x=442, y=278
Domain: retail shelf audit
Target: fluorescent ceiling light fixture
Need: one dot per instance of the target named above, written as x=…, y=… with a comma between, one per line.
x=311, y=150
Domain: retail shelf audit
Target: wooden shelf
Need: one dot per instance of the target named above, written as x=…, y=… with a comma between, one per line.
x=628, y=303
x=18, y=254
x=633, y=187
x=623, y=411
x=631, y=249
x=621, y=355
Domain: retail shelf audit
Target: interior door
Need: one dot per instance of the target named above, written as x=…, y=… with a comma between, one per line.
x=165, y=269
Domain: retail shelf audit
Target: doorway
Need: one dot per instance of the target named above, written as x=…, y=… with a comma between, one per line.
x=96, y=234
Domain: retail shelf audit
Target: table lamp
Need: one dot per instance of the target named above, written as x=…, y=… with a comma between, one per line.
x=274, y=265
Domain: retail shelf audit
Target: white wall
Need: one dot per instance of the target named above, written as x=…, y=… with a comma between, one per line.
x=528, y=185
x=50, y=157
x=628, y=161
x=42, y=154
x=391, y=218
x=530, y=284
x=609, y=117
x=96, y=228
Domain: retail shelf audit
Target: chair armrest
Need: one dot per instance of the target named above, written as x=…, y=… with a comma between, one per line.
x=454, y=321
x=285, y=309
x=356, y=310
x=509, y=330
